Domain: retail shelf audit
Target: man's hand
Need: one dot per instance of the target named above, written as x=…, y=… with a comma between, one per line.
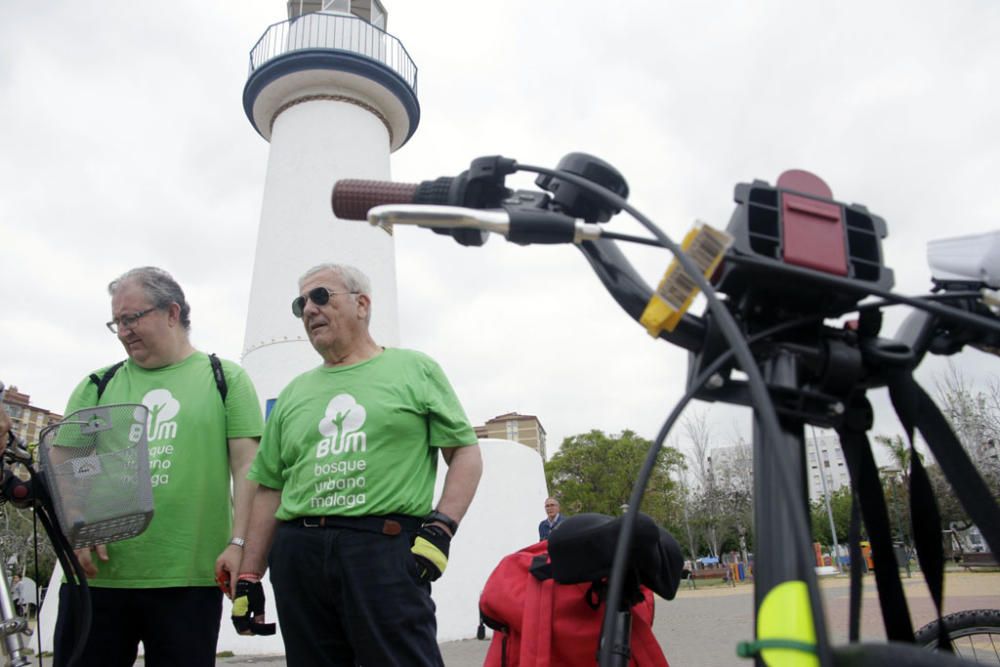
x=87, y=561
x=226, y=567
x=430, y=549
x=248, y=607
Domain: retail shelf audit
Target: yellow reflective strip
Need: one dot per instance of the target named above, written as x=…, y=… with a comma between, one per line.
x=425, y=548
x=241, y=606
x=786, y=614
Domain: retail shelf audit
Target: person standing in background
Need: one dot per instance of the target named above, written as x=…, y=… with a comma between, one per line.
x=552, y=518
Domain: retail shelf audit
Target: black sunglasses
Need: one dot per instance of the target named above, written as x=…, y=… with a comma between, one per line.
x=318, y=295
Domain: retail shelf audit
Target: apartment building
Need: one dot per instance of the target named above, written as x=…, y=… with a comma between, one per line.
x=829, y=463
x=28, y=420
x=525, y=429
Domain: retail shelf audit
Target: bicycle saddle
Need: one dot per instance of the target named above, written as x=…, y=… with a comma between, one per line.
x=582, y=548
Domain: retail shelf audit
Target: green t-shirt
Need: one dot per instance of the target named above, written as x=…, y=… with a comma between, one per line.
x=189, y=466
x=361, y=440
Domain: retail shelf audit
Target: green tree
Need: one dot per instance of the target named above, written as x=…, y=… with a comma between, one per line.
x=721, y=509
x=17, y=545
x=975, y=418
x=901, y=453
x=896, y=485
x=949, y=505
x=840, y=507
x=709, y=516
x=733, y=480
x=594, y=472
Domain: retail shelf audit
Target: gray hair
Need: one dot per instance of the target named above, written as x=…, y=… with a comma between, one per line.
x=354, y=279
x=160, y=288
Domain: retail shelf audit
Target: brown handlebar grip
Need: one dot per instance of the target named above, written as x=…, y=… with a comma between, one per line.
x=352, y=198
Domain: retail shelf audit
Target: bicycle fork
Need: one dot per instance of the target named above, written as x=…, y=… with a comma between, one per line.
x=11, y=627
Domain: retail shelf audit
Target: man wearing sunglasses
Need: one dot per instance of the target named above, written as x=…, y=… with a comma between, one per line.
x=160, y=587
x=346, y=474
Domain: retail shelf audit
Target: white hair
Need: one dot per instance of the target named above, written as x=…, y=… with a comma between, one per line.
x=354, y=279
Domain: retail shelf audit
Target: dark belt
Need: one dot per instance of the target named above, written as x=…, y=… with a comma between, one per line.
x=388, y=524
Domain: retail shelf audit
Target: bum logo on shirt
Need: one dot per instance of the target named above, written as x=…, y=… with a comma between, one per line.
x=341, y=424
x=340, y=476
x=162, y=428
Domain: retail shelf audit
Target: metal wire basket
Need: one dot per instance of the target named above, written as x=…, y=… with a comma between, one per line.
x=95, y=463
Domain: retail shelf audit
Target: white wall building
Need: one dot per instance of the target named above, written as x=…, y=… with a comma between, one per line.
x=829, y=463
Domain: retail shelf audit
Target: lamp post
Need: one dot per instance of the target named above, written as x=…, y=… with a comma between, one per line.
x=892, y=478
x=687, y=526
x=826, y=499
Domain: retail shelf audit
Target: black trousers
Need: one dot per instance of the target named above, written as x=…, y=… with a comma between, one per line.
x=177, y=626
x=351, y=597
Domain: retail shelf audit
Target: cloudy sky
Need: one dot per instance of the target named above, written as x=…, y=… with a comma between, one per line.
x=123, y=142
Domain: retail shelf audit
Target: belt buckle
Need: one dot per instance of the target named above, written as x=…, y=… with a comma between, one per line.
x=312, y=522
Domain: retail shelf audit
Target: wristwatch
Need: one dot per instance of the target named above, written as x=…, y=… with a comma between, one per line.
x=238, y=542
x=438, y=517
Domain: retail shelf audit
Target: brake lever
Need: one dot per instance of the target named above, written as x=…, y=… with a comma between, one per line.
x=17, y=450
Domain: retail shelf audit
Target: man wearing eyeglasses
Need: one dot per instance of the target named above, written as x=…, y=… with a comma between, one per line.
x=552, y=518
x=346, y=474
x=160, y=587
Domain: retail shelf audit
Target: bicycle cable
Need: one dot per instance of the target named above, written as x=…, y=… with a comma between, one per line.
x=641, y=240
x=76, y=578
x=766, y=413
x=649, y=464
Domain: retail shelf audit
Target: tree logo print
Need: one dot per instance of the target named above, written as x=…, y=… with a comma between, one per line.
x=162, y=408
x=344, y=415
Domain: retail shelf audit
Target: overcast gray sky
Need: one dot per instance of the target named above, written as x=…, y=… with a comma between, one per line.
x=123, y=142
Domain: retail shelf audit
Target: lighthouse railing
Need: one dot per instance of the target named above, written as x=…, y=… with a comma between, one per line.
x=321, y=30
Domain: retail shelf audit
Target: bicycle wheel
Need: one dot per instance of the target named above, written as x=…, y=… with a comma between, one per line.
x=895, y=654
x=975, y=635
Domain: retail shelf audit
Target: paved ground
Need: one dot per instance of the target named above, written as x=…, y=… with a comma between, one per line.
x=701, y=627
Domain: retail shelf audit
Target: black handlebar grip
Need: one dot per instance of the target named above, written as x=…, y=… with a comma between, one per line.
x=352, y=198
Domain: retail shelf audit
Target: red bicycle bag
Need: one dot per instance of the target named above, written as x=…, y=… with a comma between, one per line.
x=540, y=623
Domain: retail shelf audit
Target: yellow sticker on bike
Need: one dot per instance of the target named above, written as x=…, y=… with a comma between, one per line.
x=706, y=246
x=785, y=615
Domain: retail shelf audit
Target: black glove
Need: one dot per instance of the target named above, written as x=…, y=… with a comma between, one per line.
x=430, y=550
x=248, y=606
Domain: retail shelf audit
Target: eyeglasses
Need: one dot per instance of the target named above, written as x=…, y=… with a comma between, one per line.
x=318, y=295
x=127, y=321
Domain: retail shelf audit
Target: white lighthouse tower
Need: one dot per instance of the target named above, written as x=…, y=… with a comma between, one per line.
x=334, y=94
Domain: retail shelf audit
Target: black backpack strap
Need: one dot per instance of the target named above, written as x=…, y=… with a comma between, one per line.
x=103, y=380
x=217, y=372
x=220, y=377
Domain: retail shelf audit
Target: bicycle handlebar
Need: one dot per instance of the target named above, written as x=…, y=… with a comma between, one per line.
x=476, y=203
x=519, y=220
x=353, y=198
